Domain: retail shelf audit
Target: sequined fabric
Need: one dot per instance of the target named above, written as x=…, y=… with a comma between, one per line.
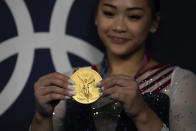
x=168, y=90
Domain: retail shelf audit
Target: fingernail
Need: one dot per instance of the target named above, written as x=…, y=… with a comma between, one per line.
x=97, y=84
x=101, y=94
x=102, y=88
x=70, y=87
x=70, y=81
x=67, y=97
x=71, y=93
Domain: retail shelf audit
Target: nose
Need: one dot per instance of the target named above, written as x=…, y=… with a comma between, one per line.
x=119, y=25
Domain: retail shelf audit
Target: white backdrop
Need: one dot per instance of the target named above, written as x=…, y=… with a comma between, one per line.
x=24, y=46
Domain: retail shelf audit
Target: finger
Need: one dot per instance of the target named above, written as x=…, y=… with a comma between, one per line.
x=52, y=81
x=55, y=74
x=114, y=93
x=110, y=91
x=54, y=89
x=106, y=80
x=53, y=97
x=119, y=93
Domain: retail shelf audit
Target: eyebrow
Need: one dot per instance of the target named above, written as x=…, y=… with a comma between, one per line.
x=135, y=8
x=109, y=5
x=128, y=9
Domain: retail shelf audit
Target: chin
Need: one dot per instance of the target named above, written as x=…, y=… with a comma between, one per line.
x=120, y=52
x=125, y=51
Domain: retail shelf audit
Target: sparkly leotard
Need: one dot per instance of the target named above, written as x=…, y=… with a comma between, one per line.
x=168, y=90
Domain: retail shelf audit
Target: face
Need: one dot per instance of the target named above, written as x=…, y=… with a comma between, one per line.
x=123, y=25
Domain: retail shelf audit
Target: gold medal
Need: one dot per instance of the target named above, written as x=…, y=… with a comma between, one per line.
x=85, y=91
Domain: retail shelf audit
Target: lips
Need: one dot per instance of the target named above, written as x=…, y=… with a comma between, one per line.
x=119, y=40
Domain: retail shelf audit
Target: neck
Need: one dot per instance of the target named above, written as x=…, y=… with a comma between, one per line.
x=128, y=65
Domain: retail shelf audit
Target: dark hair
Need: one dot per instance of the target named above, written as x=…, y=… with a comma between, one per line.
x=155, y=6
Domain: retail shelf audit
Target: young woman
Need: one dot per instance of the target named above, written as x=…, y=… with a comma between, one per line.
x=138, y=92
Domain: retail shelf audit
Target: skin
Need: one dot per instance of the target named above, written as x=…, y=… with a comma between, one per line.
x=123, y=26
x=48, y=90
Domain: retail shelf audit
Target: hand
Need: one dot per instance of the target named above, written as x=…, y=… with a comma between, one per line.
x=124, y=89
x=49, y=90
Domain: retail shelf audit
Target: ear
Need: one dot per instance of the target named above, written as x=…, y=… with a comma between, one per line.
x=155, y=23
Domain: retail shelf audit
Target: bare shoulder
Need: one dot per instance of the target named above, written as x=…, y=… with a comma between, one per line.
x=151, y=64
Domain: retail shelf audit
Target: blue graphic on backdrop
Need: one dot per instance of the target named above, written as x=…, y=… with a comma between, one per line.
x=37, y=38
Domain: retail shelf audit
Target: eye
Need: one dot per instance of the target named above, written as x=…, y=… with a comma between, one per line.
x=134, y=17
x=108, y=14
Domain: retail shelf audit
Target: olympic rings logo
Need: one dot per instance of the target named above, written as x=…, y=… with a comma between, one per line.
x=27, y=41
